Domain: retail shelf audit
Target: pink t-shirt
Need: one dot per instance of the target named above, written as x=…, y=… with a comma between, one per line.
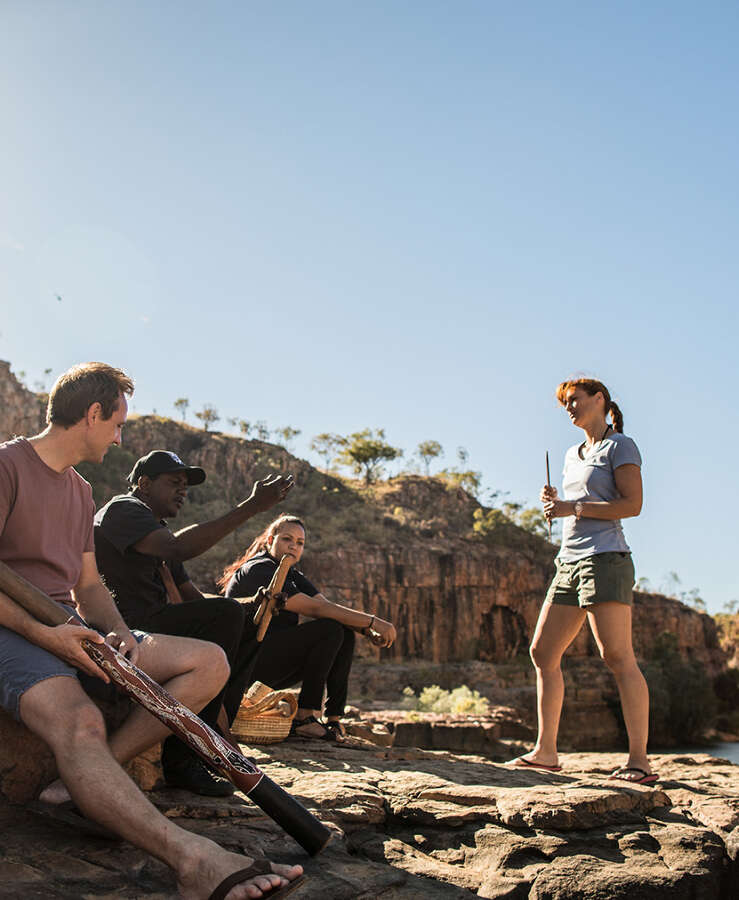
x=45, y=520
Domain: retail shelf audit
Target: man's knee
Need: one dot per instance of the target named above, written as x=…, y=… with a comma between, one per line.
x=215, y=663
x=63, y=718
x=87, y=724
x=204, y=661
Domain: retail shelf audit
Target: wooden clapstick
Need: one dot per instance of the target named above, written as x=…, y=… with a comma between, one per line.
x=549, y=484
x=374, y=637
x=263, y=616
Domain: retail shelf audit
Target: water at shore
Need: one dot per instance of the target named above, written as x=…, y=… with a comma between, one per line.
x=727, y=750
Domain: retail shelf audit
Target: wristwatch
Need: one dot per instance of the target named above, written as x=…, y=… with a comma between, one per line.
x=578, y=508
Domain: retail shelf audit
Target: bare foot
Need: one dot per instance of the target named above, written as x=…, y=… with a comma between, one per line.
x=201, y=875
x=55, y=793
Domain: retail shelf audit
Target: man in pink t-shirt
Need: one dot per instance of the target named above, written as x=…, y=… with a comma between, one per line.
x=46, y=511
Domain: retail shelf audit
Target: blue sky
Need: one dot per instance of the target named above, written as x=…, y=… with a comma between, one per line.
x=419, y=216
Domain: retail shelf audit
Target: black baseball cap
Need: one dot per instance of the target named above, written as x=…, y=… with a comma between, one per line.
x=159, y=462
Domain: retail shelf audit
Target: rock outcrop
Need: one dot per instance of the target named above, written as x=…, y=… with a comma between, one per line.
x=405, y=549
x=21, y=411
x=410, y=823
x=418, y=824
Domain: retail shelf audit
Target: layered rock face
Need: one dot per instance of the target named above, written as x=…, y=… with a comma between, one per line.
x=405, y=550
x=21, y=412
x=409, y=823
x=465, y=608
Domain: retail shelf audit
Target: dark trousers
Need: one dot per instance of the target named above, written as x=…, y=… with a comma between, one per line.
x=318, y=653
x=221, y=621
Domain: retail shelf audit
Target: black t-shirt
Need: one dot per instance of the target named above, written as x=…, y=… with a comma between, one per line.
x=257, y=572
x=133, y=578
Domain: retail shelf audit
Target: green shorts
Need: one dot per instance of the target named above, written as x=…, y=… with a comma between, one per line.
x=603, y=578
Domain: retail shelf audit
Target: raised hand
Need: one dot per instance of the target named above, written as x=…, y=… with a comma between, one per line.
x=268, y=491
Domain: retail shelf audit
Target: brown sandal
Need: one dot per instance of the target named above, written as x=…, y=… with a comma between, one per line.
x=260, y=866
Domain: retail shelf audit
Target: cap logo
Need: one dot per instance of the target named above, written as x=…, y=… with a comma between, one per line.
x=176, y=458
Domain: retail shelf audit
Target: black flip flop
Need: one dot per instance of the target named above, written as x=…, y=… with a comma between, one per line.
x=647, y=779
x=521, y=763
x=68, y=815
x=260, y=866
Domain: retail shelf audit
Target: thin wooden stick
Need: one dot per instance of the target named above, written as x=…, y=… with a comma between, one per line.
x=549, y=484
x=263, y=616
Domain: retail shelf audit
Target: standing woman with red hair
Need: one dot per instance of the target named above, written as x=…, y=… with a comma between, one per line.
x=594, y=574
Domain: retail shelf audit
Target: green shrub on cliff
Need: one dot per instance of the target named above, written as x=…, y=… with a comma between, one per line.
x=469, y=480
x=726, y=688
x=682, y=702
x=460, y=701
x=492, y=522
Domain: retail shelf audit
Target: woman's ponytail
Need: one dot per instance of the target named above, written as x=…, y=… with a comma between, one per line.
x=617, y=417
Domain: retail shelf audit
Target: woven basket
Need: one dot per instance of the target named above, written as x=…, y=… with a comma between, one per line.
x=265, y=716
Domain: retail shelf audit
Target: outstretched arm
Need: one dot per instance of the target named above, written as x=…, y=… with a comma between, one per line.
x=320, y=607
x=196, y=539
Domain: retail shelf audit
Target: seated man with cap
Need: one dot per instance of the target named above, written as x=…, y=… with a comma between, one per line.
x=141, y=561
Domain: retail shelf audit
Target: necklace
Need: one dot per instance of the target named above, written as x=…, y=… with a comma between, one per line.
x=584, y=445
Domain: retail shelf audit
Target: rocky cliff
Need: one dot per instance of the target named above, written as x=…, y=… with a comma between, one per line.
x=411, y=824
x=405, y=549
x=21, y=411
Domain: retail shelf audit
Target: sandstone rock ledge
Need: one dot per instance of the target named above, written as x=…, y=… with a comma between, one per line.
x=424, y=824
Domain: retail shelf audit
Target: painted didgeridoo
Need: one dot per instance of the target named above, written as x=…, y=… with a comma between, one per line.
x=263, y=615
x=286, y=811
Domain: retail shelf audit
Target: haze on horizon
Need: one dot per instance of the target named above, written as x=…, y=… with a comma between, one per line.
x=411, y=216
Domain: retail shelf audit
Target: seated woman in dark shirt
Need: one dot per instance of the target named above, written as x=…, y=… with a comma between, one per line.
x=317, y=653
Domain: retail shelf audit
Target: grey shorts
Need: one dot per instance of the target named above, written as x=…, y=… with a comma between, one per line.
x=602, y=578
x=23, y=664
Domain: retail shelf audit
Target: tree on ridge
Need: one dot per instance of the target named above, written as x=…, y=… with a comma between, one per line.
x=181, y=404
x=207, y=415
x=428, y=450
x=365, y=451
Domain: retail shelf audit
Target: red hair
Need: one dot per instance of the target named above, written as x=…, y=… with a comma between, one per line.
x=592, y=387
x=259, y=545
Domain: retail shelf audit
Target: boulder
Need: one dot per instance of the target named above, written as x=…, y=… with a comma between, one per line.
x=27, y=764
